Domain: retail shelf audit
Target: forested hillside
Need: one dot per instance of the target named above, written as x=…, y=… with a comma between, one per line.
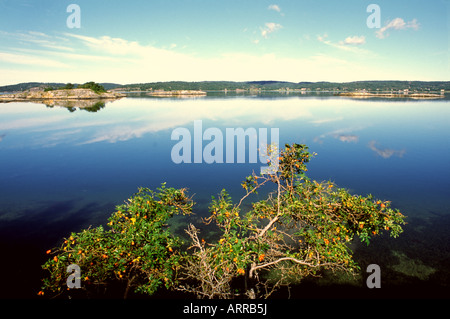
x=263, y=85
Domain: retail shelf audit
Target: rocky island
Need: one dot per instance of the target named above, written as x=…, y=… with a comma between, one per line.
x=178, y=93
x=63, y=94
x=392, y=95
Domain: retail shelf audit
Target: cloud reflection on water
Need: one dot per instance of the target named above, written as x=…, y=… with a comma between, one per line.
x=133, y=118
x=385, y=152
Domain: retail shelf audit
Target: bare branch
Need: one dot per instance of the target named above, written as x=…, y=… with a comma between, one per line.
x=295, y=260
x=252, y=191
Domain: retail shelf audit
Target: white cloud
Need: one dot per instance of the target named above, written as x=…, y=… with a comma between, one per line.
x=109, y=59
x=38, y=38
x=269, y=28
x=274, y=7
x=397, y=24
x=115, y=46
x=14, y=58
x=354, y=40
x=347, y=45
x=322, y=38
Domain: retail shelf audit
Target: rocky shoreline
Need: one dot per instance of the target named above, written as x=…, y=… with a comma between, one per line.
x=178, y=93
x=392, y=95
x=66, y=94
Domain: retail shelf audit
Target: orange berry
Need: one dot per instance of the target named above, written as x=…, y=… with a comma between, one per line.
x=48, y=251
x=55, y=259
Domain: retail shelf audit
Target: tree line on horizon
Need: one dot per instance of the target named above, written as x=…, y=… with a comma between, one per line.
x=277, y=85
x=420, y=86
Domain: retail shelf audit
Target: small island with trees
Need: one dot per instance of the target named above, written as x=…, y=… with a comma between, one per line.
x=86, y=91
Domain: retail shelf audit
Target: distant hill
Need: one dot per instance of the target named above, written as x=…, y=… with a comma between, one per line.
x=421, y=86
x=277, y=85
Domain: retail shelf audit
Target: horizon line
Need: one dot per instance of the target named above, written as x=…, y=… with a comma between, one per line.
x=234, y=81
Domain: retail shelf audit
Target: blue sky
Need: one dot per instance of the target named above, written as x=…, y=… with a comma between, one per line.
x=197, y=40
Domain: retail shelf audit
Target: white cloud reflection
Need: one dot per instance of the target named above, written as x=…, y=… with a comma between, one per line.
x=169, y=114
x=132, y=118
x=342, y=135
x=385, y=152
x=32, y=122
x=347, y=138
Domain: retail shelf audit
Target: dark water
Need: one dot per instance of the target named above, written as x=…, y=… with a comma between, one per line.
x=63, y=169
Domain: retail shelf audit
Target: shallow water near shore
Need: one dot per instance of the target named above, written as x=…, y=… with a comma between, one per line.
x=64, y=169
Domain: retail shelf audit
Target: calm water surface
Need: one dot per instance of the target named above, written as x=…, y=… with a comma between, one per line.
x=63, y=169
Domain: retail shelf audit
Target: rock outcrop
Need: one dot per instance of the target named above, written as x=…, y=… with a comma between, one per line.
x=72, y=94
x=178, y=93
x=392, y=95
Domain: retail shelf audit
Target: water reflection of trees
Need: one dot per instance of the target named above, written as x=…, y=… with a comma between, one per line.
x=73, y=105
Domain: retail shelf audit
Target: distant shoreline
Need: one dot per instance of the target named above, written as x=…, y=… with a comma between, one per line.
x=392, y=95
x=79, y=94
x=272, y=86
